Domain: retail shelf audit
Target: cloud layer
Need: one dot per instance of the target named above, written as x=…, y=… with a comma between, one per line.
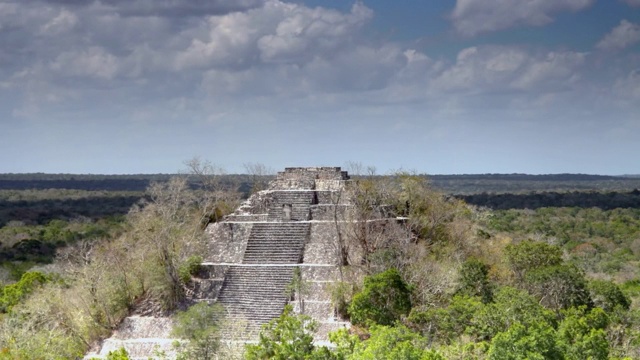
x=622, y=36
x=473, y=17
x=274, y=67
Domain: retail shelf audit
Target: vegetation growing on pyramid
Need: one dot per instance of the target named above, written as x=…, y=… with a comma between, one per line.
x=446, y=281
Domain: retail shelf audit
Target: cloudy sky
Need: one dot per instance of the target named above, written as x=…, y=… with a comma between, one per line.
x=441, y=87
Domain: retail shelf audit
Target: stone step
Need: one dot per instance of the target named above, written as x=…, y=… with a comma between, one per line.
x=280, y=227
x=143, y=327
x=275, y=250
x=212, y=271
x=275, y=241
x=260, y=260
x=256, y=294
x=139, y=348
x=205, y=288
x=300, y=205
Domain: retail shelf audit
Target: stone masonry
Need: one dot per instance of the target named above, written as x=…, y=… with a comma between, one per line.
x=252, y=257
x=254, y=252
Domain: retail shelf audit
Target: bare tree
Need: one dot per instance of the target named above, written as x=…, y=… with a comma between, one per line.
x=259, y=175
x=215, y=197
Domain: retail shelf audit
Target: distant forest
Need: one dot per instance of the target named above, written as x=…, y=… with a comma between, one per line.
x=39, y=198
x=452, y=184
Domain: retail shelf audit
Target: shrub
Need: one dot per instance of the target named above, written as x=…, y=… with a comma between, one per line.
x=12, y=294
x=530, y=255
x=191, y=266
x=474, y=280
x=289, y=337
x=536, y=342
x=608, y=296
x=394, y=342
x=383, y=300
x=199, y=325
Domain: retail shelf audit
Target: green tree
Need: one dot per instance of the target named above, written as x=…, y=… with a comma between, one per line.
x=13, y=294
x=393, y=343
x=445, y=325
x=199, y=324
x=289, y=337
x=530, y=255
x=558, y=287
x=607, y=295
x=384, y=299
x=533, y=342
x=581, y=334
x=510, y=306
x=474, y=280
x=120, y=354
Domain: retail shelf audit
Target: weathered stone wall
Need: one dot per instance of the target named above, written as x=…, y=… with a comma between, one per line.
x=206, y=285
x=230, y=242
x=319, y=173
x=321, y=248
x=328, y=212
x=316, y=299
x=323, y=178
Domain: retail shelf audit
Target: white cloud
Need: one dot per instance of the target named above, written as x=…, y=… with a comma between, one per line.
x=489, y=69
x=280, y=54
x=64, y=22
x=303, y=31
x=553, y=71
x=622, y=36
x=633, y=3
x=628, y=88
x=93, y=62
x=472, y=17
x=278, y=32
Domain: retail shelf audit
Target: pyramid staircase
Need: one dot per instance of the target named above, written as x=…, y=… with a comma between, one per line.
x=255, y=292
x=251, y=262
x=299, y=200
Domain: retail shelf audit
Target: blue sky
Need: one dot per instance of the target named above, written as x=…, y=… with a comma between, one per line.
x=440, y=87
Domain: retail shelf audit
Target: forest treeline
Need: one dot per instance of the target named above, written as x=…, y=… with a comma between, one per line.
x=452, y=184
x=603, y=200
x=98, y=182
x=452, y=281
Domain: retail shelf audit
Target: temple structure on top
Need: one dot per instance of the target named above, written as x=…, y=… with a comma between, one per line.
x=254, y=252
x=281, y=246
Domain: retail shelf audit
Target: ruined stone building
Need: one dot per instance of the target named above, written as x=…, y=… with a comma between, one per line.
x=254, y=253
x=290, y=229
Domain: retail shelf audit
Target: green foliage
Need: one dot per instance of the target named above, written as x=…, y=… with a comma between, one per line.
x=581, y=334
x=607, y=295
x=120, y=354
x=530, y=255
x=474, y=280
x=190, y=267
x=384, y=299
x=107, y=278
x=535, y=341
x=39, y=328
x=199, y=324
x=559, y=287
x=510, y=306
x=393, y=343
x=596, y=240
x=289, y=337
x=39, y=243
x=11, y=295
x=341, y=295
x=429, y=212
x=344, y=342
x=445, y=325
